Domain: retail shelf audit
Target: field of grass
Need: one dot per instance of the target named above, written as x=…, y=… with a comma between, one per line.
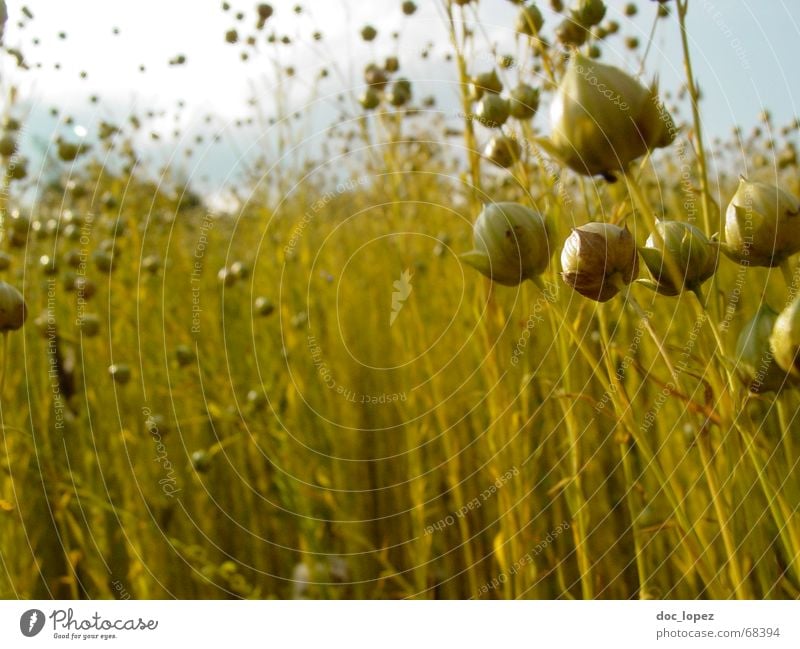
x=314, y=396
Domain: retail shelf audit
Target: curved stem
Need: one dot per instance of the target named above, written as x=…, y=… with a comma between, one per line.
x=788, y=277
x=786, y=434
x=720, y=351
x=4, y=366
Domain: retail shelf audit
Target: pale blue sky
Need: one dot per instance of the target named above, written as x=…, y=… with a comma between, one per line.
x=745, y=54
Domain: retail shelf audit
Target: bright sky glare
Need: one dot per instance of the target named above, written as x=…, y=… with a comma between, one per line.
x=744, y=53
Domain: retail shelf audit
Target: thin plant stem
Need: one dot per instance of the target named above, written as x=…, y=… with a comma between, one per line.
x=577, y=498
x=4, y=367
x=788, y=276
x=626, y=450
x=469, y=129
x=642, y=314
x=704, y=445
x=694, y=96
x=786, y=434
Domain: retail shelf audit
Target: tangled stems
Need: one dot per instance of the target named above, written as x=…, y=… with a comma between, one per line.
x=709, y=470
x=626, y=450
x=704, y=445
x=575, y=496
x=691, y=535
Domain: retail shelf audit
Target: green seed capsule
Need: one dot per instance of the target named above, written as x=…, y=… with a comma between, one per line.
x=369, y=99
x=184, y=355
x=8, y=145
x=754, y=360
x=391, y=64
x=48, y=265
x=400, y=93
x=492, y=111
x=19, y=226
x=503, y=150
x=72, y=258
x=785, y=339
x=511, y=244
x=72, y=232
x=524, y=102
x=68, y=151
x=18, y=169
x=505, y=61
x=238, y=584
x=257, y=399
x=264, y=11
x=89, y=325
x=571, y=33
x=11, y=123
x=485, y=82
x=226, y=277
x=598, y=259
x=603, y=119
x=375, y=76
x=13, y=311
x=157, y=424
x=120, y=373
x=762, y=224
x=84, y=287
x=68, y=280
x=103, y=260
x=590, y=12
x=151, y=264
x=529, y=20
x=263, y=306
x=681, y=257
x=201, y=461
x=369, y=33
x=240, y=270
